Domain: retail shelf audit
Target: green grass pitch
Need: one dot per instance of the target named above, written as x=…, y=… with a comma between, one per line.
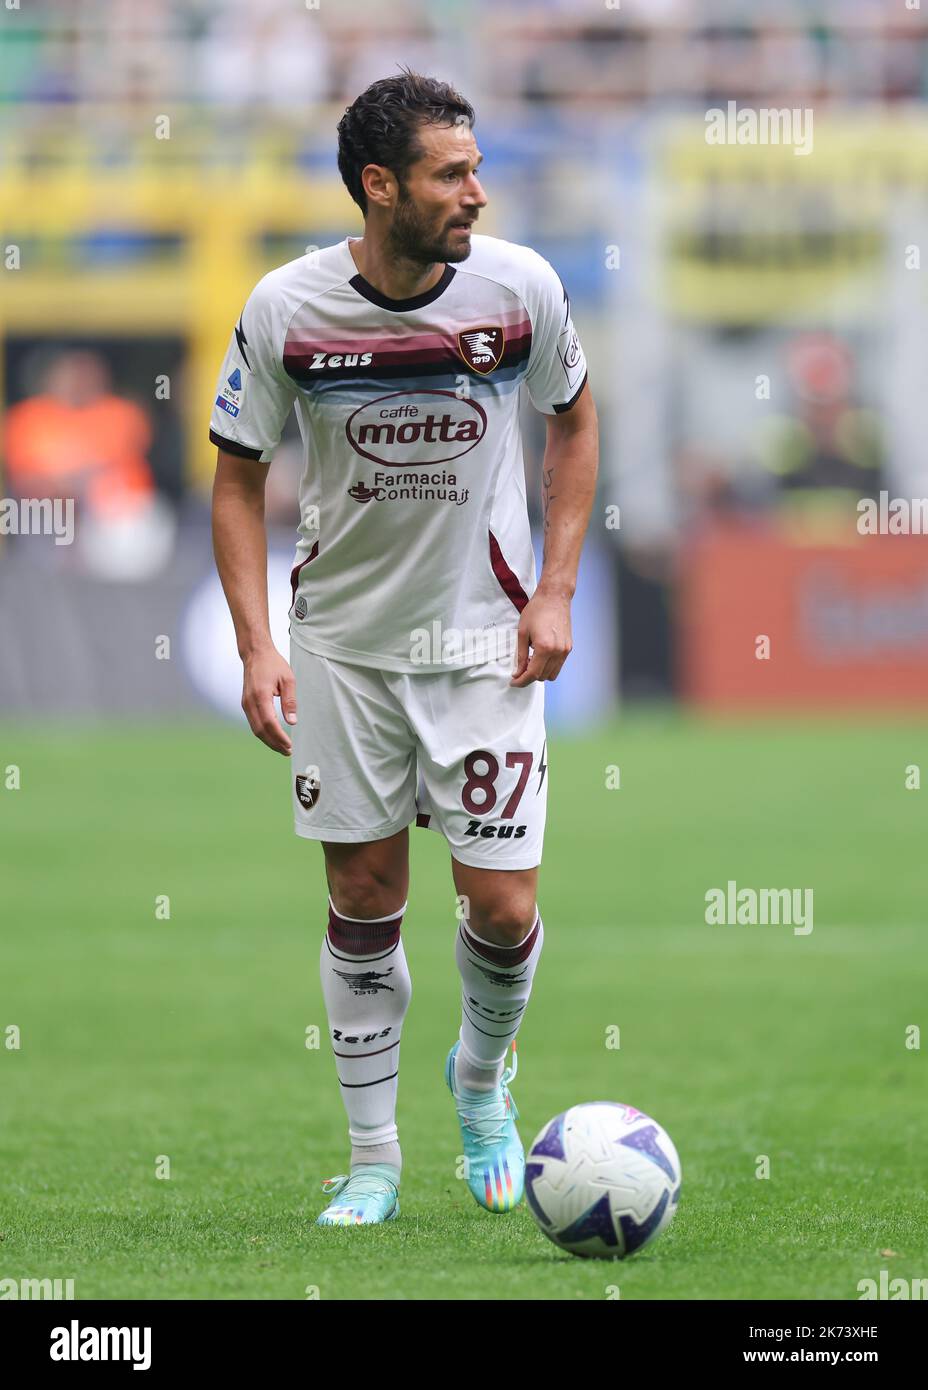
x=186, y=1037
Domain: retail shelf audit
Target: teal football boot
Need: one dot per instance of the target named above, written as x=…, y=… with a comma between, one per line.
x=493, y=1150
x=366, y=1197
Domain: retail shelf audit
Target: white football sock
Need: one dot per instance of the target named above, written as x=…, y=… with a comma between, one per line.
x=366, y=987
x=496, y=984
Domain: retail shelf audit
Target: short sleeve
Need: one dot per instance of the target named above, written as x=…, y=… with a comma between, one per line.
x=253, y=395
x=557, y=367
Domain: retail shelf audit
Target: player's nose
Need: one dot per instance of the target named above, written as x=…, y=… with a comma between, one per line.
x=472, y=193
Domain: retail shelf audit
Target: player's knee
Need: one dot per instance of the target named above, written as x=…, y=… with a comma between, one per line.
x=365, y=894
x=504, y=923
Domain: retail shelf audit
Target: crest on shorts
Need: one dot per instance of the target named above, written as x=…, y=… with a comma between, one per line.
x=482, y=348
x=307, y=791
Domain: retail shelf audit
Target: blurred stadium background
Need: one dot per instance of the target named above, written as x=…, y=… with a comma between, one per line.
x=756, y=329
x=755, y=321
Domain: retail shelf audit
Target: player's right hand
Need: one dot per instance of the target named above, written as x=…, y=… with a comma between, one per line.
x=267, y=675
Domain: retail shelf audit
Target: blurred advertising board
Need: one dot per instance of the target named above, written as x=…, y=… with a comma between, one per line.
x=846, y=626
x=755, y=232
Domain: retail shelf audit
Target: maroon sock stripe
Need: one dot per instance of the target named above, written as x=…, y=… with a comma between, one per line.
x=362, y=1085
x=510, y=1032
x=362, y=938
x=512, y=1016
x=369, y=957
x=502, y=955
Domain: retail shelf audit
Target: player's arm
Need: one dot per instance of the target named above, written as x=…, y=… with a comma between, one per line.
x=254, y=397
x=569, y=473
x=240, y=545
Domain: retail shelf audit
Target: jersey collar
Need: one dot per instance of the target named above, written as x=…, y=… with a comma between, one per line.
x=396, y=306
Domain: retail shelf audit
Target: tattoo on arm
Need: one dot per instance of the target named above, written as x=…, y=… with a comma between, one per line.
x=547, y=477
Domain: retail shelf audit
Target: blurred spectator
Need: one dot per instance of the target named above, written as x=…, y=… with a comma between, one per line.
x=78, y=439
x=271, y=55
x=827, y=450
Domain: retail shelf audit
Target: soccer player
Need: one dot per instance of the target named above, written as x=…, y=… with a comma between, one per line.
x=420, y=640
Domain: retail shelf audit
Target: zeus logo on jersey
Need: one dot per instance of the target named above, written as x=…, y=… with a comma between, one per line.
x=340, y=359
x=499, y=832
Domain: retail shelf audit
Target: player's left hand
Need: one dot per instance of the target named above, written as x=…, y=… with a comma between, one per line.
x=545, y=627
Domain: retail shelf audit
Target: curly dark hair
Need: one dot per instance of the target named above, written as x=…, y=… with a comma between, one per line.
x=380, y=127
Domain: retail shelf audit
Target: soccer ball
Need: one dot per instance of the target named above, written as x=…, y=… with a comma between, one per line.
x=602, y=1180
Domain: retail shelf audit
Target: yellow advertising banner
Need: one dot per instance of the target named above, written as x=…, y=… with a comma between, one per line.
x=772, y=219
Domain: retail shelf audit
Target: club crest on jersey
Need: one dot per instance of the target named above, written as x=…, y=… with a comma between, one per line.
x=307, y=791
x=482, y=348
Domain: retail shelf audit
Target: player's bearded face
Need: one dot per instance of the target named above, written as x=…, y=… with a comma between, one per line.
x=426, y=234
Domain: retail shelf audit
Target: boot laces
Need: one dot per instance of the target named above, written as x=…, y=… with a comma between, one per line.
x=349, y=1186
x=486, y=1118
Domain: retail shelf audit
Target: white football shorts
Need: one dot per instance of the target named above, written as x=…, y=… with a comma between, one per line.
x=459, y=751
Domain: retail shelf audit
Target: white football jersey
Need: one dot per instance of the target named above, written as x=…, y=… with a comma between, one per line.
x=412, y=497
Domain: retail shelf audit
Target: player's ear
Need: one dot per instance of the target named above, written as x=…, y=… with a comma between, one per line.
x=379, y=184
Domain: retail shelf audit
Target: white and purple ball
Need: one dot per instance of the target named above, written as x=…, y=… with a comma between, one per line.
x=602, y=1180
